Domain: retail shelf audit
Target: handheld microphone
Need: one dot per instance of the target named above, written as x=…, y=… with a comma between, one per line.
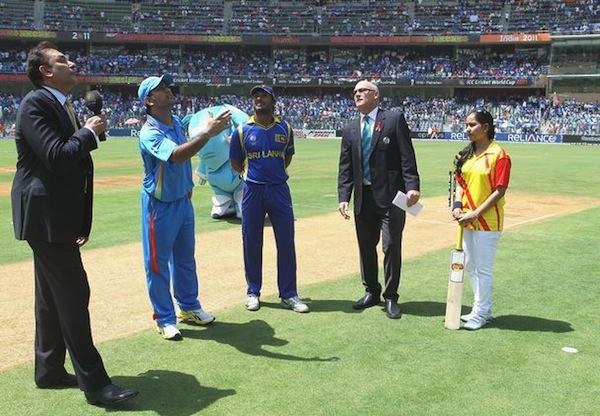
x=93, y=101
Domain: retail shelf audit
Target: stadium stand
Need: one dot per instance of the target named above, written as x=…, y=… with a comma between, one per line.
x=517, y=114
x=320, y=43
x=355, y=17
x=382, y=62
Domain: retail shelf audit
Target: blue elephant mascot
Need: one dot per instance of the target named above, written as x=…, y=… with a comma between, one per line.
x=214, y=166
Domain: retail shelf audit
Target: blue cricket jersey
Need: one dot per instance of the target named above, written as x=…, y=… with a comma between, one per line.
x=164, y=180
x=263, y=149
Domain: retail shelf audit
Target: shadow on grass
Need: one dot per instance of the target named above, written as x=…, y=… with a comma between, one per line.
x=168, y=393
x=337, y=305
x=232, y=220
x=425, y=308
x=248, y=338
x=530, y=323
x=235, y=220
x=509, y=322
x=318, y=305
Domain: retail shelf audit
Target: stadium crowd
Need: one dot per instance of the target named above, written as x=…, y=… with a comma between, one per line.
x=408, y=63
x=328, y=111
x=255, y=17
x=513, y=114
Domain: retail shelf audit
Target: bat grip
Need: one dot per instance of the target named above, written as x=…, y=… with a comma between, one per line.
x=459, y=239
x=450, y=189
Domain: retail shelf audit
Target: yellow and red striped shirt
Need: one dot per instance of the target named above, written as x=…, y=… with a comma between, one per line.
x=480, y=176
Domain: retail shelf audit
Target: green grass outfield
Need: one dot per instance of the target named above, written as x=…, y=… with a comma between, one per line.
x=335, y=361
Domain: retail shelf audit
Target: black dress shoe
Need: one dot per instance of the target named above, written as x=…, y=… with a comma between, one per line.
x=392, y=309
x=109, y=395
x=368, y=300
x=66, y=381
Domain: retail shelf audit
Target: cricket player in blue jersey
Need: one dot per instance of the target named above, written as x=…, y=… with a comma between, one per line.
x=168, y=235
x=260, y=151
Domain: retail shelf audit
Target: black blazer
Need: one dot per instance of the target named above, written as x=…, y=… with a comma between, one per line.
x=392, y=160
x=53, y=186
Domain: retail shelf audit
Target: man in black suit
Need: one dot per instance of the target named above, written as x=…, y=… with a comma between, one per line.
x=52, y=211
x=380, y=139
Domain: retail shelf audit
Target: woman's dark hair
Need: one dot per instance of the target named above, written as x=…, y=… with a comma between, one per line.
x=483, y=117
x=38, y=57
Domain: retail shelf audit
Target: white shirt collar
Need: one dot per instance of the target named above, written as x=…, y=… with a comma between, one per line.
x=372, y=116
x=62, y=99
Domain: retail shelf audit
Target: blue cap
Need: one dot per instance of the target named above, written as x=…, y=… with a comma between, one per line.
x=265, y=88
x=151, y=83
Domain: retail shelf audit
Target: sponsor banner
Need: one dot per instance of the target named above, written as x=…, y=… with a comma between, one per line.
x=350, y=81
x=13, y=78
x=82, y=35
x=110, y=80
x=300, y=81
x=584, y=139
x=501, y=137
x=516, y=38
x=432, y=82
x=379, y=40
x=220, y=81
x=416, y=135
x=341, y=81
x=27, y=34
x=529, y=137
x=346, y=81
x=317, y=134
x=167, y=38
x=440, y=135
x=493, y=82
x=115, y=133
x=454, y=136
x=285, y=40
x=298, y=133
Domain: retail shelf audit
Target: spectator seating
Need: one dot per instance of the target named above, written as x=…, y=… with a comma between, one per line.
x=512, y=114
x=326, y=18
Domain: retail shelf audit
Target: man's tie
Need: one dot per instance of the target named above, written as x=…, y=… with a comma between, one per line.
x=71, y=112
x=366, y=148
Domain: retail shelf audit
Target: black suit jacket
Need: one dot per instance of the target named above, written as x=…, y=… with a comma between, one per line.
x=392, y=161
x=52, y=189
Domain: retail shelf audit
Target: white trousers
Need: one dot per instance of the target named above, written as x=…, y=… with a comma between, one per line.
x=480, y=248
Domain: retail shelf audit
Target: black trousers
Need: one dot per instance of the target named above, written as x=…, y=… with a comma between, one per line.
x=62, y=320
x=372, y=224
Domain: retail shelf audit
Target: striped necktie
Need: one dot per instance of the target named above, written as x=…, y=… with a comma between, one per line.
x=366, y=149
x=72, y=115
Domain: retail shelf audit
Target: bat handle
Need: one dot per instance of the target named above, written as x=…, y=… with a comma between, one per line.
x=459, y=239
x=450, y=189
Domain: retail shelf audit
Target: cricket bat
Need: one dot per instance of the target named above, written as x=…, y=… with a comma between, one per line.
x=455, y=284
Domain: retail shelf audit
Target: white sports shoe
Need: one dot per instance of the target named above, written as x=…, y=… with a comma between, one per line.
x=475, y=322
x=296, y=304
x=253, y=303
x=465, y=318
x=195, y=317
x=170, y=332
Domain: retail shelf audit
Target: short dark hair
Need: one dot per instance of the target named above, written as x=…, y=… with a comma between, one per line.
x=37, y=57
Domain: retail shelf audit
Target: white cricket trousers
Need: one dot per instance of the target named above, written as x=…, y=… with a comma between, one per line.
x=480, y=248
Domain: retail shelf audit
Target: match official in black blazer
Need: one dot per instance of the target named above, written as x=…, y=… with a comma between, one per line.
x=52, y=211
x=381, y=139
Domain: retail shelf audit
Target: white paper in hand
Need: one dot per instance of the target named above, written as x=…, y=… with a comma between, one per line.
x=400, y=201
